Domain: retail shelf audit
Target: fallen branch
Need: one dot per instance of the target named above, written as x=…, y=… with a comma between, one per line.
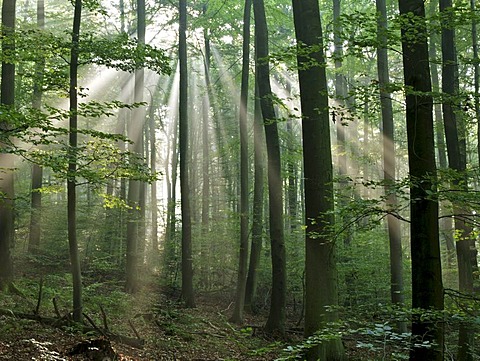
x=104, y=318
x=65, y=321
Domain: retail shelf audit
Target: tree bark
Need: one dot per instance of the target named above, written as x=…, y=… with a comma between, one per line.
x=187, y=261
x=258, y=200
x=37, y=171
x=476, y=74
x=320, y=264
x=7, y=99
x=153, y=189
x=276, y=317
x=458, y=163
x=427, y=288
x=389, y=161
x=135, y=187
x=237, y=316
x=72, y=168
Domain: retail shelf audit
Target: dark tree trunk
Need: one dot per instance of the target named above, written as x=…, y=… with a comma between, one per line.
x=7, y=99
x=389, y=161
x=205, y=137
x=187, y=261
x=205, y=244
x=445, y=224
x=320, y=263
x=276, y=317
x=237, y=316
x=72, y=169
x=427, y=288
x=457, y=162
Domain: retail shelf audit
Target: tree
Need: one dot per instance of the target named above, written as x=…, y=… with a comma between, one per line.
x=258, y=199
x=320, y=264
x=72, y=167
x=37, y=171
x=237, y=316
x=205, y=135
x=427, y=287
x=7, y=193
x=276, y=317
x=389, y=161
x=457, y=161
x=476, y=73
x=135, y=187
x=153, y=167
x=187, y=261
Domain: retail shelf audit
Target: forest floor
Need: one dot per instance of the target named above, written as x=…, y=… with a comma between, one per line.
x=169, y=331
x=154, y=315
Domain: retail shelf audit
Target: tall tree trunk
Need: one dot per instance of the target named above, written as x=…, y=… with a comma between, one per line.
x=258, y=199
x=476, y=74
x=340, y=96
x=187, y=261
x=72, y=168
x=389, y=161
x=446, y=223
x=320, y=263
x=205, y=137
x=292, y=171
x=427, y=288
x=7, y=99
x=135, y=133
x=457, y=162
x=37, y=171
x=276, y=317
x=204, y=268
x=153, y=167
x=171, y=226
x=237, y=316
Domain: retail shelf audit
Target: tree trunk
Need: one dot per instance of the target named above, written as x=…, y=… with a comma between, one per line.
x=389, y=161
x=427, y=288
x=187, y=261
x=445, y=224
x=320, y=263
x=205, y=138
x=276, y=317
x=135, y=133
x=258, y=200
x=237, y=316
x=457, y=162
x=153, y=167
x=292, y=171
x=37, y=171
x=72, y=169
x=7, y=99
x=476, y=74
